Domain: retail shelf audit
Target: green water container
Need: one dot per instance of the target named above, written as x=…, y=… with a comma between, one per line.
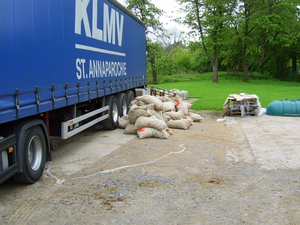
x=284, y=108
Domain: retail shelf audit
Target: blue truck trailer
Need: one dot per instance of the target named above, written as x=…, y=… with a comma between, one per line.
x=65, y=65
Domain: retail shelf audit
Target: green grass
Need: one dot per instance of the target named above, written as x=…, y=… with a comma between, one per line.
x=212, y=95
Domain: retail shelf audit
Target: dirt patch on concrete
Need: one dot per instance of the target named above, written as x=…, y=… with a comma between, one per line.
x=210, y=113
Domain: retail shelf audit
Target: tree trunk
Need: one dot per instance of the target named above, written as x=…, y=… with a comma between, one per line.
x=294, y=63
x=215, y=71
x=245, y=68
x=261, y=68
x=264, y=59
x=154, y=72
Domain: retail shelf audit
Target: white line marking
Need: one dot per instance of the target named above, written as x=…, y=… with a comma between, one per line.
x=93, y=49
x=58, y=181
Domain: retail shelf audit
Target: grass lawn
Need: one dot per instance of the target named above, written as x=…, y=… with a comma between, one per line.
x=212, y=95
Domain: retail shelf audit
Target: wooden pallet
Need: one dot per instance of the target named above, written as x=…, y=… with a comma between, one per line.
x=245, y=107
x=161, y=92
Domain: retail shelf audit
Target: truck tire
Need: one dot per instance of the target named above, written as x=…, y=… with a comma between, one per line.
x=111, y=122
x=123, y=104
x=33, y=156
x=130, y=97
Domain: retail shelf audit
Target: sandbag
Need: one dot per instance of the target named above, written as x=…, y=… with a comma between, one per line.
x=188, y=118
x=151, y=122
x=196, y=117
x=183, y=108
x=165, y=99
x=188, y=105
x=156, y=114
x=148, y=132
x=122, y=122
x=169, y=131
x=179, y=124
x=149, y=99
x=175, y=115
x=165, y=117
x=137, y=111
x=180, y=105
x=129, y=129
x=168, y=106
x=136, y=102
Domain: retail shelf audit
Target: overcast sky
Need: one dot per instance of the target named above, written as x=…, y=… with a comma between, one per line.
x=169, y=6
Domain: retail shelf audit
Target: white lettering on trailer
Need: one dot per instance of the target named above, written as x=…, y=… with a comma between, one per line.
x=98, y=69
x=81, y=15
x=80, y=68
x=97, y=33
x=113, y=22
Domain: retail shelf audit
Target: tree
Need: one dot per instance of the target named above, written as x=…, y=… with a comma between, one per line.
x=245, y=23
x=166, y=63
x=183, y=59
x=171, y=36
x=153, y=49
x=261, y=29
x=149, y=14
x=201, y=63
x=208, y=18
x=279, y=28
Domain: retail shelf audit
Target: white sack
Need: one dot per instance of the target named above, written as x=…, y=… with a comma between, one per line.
x=175, y=115
x=179, y=124
x=149, y=99
x=129, y=129
x=196, y=117
x=137, y=111
x=147, y=132
x=122, y=122
x=151, y=122
x=168, y=106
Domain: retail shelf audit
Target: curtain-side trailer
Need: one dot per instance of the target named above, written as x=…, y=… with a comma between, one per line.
x=65, y=65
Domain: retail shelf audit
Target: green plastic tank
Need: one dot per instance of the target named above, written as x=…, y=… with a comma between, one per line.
x=284, y=108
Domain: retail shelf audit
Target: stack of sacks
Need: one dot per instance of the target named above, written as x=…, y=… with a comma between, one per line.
x=153, y=116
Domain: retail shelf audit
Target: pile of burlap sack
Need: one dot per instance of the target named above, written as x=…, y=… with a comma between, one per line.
x=154, y=116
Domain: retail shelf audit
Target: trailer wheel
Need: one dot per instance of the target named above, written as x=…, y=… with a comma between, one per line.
x=130, y=97
x=111, y=122
x=33, y=156
x=123, y=104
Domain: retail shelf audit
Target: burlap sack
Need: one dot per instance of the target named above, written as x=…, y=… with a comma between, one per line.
x=157, y=114
x=188, y=105
x=184, y=109
x=129, y=129
x=175, y=115
x=196, y=117
x=177, y=100
x=169, y=131
x=168, y=106
x=165, y=99
x=179, y=124
x=151, y=122
x=165, y=117
x=147, y=132
x=137, y=111
x=180, y=105
x=136, y=102
x=188, y=118
x=149, y=99
x=122, y=121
